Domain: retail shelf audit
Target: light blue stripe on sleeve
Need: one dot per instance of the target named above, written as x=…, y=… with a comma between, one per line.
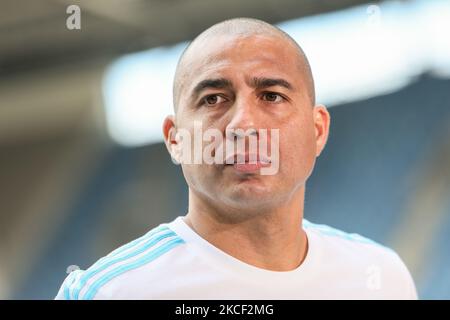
x=137, y=241
x=150, y=256
x=68, y=283
x=129, y=245
x=88, y=274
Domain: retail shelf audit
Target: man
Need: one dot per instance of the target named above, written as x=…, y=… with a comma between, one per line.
x=244, y=236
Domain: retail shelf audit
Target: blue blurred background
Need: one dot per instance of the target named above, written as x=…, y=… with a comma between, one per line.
x=82, y=164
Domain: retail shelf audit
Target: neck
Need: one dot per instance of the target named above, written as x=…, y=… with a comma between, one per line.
x=272, y=240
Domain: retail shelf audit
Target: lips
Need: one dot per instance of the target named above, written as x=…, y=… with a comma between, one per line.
x=247, y=163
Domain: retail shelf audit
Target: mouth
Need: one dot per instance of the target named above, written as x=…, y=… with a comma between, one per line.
x=248, y=163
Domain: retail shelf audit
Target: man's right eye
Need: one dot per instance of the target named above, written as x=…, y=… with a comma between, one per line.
x=212, y=100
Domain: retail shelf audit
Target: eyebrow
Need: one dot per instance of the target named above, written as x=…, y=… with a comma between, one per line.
x=261, y=83
x=219, y=83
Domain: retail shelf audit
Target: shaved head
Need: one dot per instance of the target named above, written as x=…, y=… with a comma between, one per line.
x=236, y=28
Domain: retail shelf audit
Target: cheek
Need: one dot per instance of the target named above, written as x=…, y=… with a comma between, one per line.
x=298, y=149
x=199, y=177
x=193, y=176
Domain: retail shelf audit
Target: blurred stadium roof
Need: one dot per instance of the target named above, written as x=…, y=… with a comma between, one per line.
x=33, y=33
x=44, y=66
x=355, y=53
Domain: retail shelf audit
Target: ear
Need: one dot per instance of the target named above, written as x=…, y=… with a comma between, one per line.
x=169, y=132
x=322, y=127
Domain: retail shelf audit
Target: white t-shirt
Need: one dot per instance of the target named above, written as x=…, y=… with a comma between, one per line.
x=173, y=262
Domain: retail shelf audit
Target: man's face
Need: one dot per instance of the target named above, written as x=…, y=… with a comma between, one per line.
x=238, y=103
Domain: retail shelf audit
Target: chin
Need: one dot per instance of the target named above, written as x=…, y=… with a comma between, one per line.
x=248, y=193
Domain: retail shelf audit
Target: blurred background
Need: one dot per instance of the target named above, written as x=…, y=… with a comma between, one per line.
x=84, y=89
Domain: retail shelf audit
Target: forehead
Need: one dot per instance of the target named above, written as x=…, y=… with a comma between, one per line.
x=256, y=54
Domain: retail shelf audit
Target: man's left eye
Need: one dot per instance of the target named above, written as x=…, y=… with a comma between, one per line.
x=272, y=97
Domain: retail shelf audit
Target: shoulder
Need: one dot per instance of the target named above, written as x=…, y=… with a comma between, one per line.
x=144, y=251
x=355, y=253
x=342, y=238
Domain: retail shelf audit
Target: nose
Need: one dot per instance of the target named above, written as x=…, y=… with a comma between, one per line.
x=243, y=119
x=241, y=135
